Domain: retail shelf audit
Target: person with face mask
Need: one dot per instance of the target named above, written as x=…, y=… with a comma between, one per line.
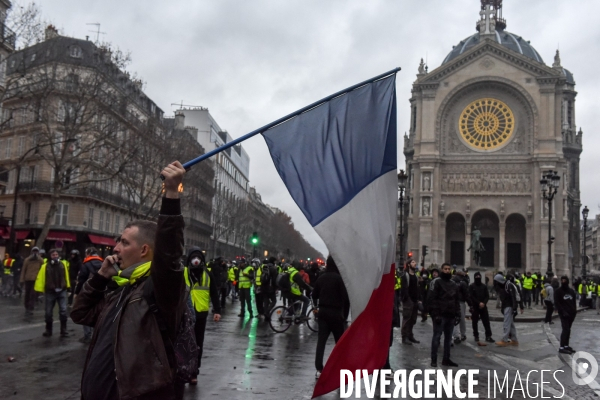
x=566, y=305
x=510, y=296
x=460, y=331
x=410, y=295
x=443, y=306
x=479, y=295
x=53, y=280
x=203, y=289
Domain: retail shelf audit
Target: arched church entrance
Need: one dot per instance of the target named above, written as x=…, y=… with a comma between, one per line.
x=516, y=240
x=487, y=222
x=455, y=239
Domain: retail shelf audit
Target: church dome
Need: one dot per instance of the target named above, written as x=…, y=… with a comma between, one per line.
x=506, y=39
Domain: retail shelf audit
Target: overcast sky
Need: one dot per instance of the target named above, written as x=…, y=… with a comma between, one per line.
x=250, y=62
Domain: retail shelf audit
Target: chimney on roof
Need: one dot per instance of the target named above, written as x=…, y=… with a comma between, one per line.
x=193, y=131
x=51, y=32
x=179, y=120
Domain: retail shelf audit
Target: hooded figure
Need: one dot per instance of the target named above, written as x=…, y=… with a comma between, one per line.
x=479, y=295
x=203, y=290
x=566, y=305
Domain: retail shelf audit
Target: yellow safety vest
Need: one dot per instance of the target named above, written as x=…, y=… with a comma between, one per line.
x=245, y=281
x=295, y=289
x=8, y=263
x=527, y=283
x=40, y=281
x=535, y=280
x=231, y=274
x=258, y=274
x=398, y=284
x=200, y=292
x=581, y=287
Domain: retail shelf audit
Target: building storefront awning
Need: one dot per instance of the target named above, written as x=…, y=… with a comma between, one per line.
x=63, y=236
x=102, y=240
x=19, y=235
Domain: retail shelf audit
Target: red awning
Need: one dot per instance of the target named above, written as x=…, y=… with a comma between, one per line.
x=64, y=236
x=20, y=235
x=104, y=241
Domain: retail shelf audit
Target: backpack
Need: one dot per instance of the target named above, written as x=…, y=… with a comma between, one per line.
x=543, y=293
x=514, y=289
x=265, y=277
x=283, y=282
x=183, y=352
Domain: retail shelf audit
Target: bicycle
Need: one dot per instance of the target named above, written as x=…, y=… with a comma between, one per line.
x=282, y=317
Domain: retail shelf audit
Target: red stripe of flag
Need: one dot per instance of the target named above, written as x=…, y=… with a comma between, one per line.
x=365, y=343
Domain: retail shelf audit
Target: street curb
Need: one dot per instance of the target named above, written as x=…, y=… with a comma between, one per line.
x=567, y=359
x=532, y=319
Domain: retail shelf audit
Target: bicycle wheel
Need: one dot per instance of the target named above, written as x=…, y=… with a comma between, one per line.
x=312, y=322
x=280, y=320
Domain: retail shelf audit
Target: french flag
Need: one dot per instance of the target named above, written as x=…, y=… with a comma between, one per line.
x=338, y=161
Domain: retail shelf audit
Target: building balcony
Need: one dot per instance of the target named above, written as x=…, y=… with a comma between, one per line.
x=7, y=36
x=88, y=192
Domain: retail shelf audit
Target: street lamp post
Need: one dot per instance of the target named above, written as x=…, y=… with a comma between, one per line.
x=402, y=178
x=585, y=213
x=550, y=182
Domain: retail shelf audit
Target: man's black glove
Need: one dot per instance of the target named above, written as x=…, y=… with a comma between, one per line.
x=457, y=320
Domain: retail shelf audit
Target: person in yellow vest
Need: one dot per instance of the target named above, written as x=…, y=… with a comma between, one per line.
x=297, y=284
x=582, y=289
x=7, y=276
x=244, y=287
x=598, y=299
x=537, y=287
x=203, y=290
x=258, y=289
x=231, y=273
x=528, y=283
x=53, y=281
x=236, y=279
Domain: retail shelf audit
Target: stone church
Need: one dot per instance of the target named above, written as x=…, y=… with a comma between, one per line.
x=485, y=126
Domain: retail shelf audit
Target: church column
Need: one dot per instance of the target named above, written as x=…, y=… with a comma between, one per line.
x=501, y=247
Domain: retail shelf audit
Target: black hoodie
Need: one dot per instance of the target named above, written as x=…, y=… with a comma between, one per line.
x=565, y=301
x=195, y=275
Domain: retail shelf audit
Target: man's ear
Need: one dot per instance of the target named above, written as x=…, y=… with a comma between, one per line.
x=145, y=250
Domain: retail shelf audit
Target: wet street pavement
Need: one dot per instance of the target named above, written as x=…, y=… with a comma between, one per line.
x=246, y=360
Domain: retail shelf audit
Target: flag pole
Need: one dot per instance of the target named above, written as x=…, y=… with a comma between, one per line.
x=203, y=157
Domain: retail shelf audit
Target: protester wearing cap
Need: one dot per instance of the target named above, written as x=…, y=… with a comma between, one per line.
x=29, y=273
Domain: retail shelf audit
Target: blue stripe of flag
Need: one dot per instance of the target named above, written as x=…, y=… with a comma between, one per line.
x=327, y=155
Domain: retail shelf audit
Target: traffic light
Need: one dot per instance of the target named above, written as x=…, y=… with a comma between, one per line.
x=425, y=250
x=410, y=254
x=254, y=238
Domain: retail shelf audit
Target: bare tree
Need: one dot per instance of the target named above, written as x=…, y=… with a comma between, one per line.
x=25, y=19
x=84, y=129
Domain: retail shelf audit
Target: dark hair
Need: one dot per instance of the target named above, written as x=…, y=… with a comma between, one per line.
x=407, y=264
x=91, y=250
x=331, y=265
x=444, y=264
x=54, y=250
x=146, y=231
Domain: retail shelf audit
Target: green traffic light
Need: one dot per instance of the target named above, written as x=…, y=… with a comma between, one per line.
x=254, y=240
